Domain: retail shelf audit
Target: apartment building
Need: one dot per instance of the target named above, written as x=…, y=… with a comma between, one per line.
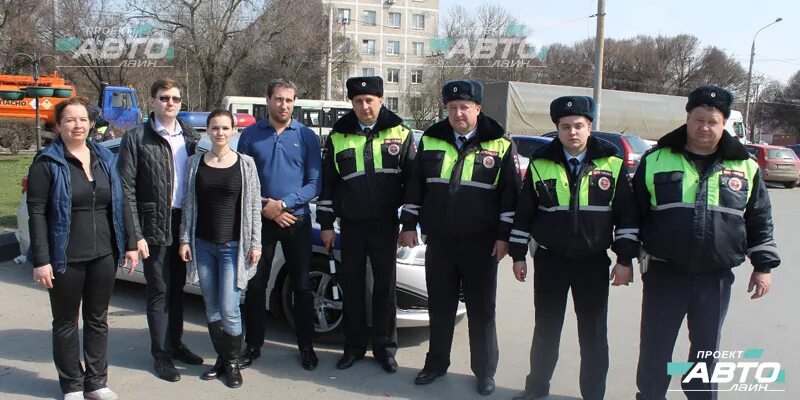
x=392, y=38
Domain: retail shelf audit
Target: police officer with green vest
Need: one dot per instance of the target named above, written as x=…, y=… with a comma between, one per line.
x=703, y=209
x=366, y=160
x=576, y=202
x=462, y=190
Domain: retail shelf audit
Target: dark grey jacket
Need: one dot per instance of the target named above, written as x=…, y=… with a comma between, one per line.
x=145, y=166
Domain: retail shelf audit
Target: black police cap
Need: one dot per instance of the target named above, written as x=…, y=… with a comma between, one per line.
x=712, y=96
x=463, y=90
x=572, y=105
x=364, y=85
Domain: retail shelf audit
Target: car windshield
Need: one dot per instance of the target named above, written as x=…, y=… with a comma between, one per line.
x=781, y=153
x=526, y=148
x=638, y=145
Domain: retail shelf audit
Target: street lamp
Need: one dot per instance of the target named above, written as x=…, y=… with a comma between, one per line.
x=35, y=91
x=750, y=79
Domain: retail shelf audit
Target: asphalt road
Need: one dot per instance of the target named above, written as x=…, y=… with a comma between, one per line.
x=27, y=371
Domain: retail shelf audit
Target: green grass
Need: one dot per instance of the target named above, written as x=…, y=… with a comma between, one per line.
x=12, y=169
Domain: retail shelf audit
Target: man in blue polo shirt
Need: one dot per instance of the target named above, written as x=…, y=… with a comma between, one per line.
x=287, y=156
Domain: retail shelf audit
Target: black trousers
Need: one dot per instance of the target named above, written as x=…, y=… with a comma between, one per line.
x=669, y=295
x=296, y=244
x=90, y=282
x=453, y=264
x=165, y=275
x=553, y=277
x=378, y=241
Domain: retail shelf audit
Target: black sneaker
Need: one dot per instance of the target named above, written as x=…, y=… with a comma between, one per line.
x=166, y=370
x=249, y=355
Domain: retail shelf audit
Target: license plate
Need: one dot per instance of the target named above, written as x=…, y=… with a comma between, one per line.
x=785, y=166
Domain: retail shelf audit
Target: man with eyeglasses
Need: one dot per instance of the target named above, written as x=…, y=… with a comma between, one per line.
x=152, y=159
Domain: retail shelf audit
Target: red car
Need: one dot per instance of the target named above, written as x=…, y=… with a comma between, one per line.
x=778, y=164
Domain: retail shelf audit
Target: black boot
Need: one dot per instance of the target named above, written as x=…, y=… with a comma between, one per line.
x=215, y=332
x=230, y=363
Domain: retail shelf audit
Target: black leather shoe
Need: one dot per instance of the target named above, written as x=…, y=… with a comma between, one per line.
x=249, y=355
x=184, y=355
x=214, y=372
x=425, y=377
x=347, y=360
x=309, y=359
x=389, y=364
x=529, y=395
x=485, y=386
x=166, y=370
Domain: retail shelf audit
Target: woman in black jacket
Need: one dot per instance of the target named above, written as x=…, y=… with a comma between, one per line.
x=77, y=236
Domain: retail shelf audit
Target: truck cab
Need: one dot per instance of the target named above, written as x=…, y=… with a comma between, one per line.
x=120, y=107
x=736, y=128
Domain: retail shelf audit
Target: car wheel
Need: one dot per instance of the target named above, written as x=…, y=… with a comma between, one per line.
x=328, y=314
x=789, y=185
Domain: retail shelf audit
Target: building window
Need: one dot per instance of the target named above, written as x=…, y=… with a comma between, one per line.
x=393, y=47
x=419, y=48
x=415, y=104
x=393, y=75
x=344, y=15
x=367, y=71
x=416, y=76
x=369, y=18
x=394, y=20
x=392, y=103
x=368, y=46
x=418, y=21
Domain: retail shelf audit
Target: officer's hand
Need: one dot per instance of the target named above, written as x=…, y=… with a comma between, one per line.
x=408, y=239
x=520, y=270
x=327, y=236
x=500, y=249
x=761, y=281
x=141, y=247
x=621, y=275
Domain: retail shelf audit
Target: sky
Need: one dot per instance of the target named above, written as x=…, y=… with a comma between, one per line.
x=729, y=25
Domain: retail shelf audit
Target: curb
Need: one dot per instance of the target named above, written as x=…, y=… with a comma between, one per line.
x=9, y=246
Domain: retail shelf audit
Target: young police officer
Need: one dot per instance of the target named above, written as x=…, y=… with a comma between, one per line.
x=576, y=192
x=704, y=207
x=462, y=189
x=367, y=157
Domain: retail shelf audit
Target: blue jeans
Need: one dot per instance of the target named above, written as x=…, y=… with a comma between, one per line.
x=216, y=268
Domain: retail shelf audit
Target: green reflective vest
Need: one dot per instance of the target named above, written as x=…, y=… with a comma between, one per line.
x=480, y=167
x=350, y=150
x=596, y=191
x=674, y=182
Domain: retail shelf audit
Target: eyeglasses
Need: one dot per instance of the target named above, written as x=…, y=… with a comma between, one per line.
x=165, y=99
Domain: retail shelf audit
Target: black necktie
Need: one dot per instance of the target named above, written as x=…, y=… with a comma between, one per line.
x=367, y=130
x=461, y=141
x=574, y=167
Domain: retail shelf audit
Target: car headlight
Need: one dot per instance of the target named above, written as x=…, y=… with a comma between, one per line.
x=409, y=256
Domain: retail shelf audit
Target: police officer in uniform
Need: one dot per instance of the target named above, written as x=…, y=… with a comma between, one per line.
x=703, y=208
x=462, y=190
x=576, y=192
x=367, y=157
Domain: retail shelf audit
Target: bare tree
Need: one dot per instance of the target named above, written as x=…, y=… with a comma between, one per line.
x=218, y=34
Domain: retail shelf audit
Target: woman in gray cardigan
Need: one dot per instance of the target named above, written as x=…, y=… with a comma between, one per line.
x=222, y=247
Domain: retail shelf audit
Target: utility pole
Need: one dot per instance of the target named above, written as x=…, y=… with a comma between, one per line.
x=330, y=54
x=598, y=60
x=750, y=77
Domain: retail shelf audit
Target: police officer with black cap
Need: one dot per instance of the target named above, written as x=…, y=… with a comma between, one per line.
x=462, y=190
x=366, y=160
x=703, y=209
x=576, y=202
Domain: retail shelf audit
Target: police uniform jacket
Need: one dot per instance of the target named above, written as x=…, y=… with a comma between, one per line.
x=467, y=192
x=709, y=221
x=576, y=217
x=363, y=175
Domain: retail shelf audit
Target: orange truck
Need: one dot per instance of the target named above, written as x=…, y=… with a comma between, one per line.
x=118, y=105
x=18, y=107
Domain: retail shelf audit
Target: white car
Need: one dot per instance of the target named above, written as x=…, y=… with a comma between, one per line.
x=412, y=293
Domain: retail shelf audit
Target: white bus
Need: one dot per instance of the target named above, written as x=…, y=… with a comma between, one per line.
x=319, y=115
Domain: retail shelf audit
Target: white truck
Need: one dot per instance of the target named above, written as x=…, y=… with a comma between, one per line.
x=524, y=109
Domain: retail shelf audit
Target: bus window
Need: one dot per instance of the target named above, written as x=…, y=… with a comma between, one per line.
x=310, y=117
x=332, y=115
x=259, y=111
x=242, y=111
